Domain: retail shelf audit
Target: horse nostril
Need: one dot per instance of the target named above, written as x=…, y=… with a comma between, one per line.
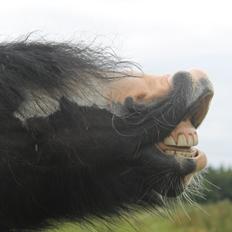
x=140, y=96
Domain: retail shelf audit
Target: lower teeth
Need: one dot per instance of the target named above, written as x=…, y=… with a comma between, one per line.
x=168, y=152
x=180, y=153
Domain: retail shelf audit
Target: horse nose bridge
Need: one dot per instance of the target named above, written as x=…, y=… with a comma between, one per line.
x=154, y=87
x=149, y=88
x=142, y=89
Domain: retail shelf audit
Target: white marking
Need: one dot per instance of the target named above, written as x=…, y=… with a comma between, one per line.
x=40, y=103
x=37, y=104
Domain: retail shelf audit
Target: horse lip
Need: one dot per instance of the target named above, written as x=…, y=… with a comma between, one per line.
x=197, y=156
x=201, y=108
x=200, y=160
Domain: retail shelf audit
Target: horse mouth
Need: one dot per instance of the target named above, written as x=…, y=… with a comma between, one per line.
x=178, y=151
x=181, y=144
x=182, y=141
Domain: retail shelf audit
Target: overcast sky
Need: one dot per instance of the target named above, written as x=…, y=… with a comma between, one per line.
x=163, y=36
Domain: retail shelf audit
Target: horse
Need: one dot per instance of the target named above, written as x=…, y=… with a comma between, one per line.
x=85, y=133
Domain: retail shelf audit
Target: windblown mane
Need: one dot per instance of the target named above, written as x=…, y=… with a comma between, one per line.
x=55, y=68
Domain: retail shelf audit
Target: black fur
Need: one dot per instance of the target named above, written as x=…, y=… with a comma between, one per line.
x=81, y=160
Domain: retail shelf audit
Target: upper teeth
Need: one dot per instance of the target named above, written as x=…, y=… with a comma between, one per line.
x=182, y=140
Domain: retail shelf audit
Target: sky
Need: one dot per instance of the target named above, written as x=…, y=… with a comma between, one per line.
x=163, y=36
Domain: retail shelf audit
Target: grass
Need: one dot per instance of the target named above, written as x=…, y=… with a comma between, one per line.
x=216, y=218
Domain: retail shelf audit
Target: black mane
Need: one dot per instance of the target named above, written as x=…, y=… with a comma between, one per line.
x=31, y=65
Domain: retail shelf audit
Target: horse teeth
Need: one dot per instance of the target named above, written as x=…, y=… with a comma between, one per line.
x=169, y=141
x=182, y=141
x=185, y=154
x=190, y=141
x=195, y=139
x=170, y=152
